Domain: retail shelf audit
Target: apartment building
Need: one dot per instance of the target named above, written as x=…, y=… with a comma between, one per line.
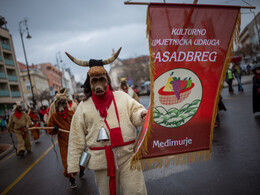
x=10, y=84
x=54, y=76
x=39, y=81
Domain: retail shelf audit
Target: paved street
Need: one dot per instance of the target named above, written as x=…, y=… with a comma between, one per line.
x=233, y=168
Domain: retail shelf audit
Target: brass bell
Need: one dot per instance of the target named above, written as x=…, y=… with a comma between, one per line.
x=102, y=136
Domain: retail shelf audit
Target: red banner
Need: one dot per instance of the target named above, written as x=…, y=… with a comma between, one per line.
x=190, y=47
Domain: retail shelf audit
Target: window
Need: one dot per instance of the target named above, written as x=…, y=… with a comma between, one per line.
x=27, y=86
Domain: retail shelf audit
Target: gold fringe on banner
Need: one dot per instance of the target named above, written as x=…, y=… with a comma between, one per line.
x=189, y=157
x=143, y=148
x=172, y=160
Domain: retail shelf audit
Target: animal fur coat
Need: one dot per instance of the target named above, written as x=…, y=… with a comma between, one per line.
x=59, y=121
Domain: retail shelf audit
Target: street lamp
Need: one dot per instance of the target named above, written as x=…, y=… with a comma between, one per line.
x=22, y=30
x=58, y=59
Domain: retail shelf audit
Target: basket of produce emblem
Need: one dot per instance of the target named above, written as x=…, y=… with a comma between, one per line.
x=175, y=91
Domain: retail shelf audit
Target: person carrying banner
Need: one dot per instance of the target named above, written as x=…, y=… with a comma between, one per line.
x=105, y=121
x=61, y=118
x=72, y=104
x=127, y=89
x=36, y=123
x=19, y=122
x=256, y=88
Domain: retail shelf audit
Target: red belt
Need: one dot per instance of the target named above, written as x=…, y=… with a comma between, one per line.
x=111, y=165
x=23, y=133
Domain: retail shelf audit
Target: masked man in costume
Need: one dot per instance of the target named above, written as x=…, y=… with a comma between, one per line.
x=36, y=123
x=73, y=105
x=105, y=121
x=61, y=118
x=125, y=87
x=51, y=109
x=19, y=122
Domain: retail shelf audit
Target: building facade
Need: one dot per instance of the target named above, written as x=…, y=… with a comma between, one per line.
x=39, y=81
x=10, y=84
x=136, y=70
x=70, y=83
x=249, y=41
x=54, y=76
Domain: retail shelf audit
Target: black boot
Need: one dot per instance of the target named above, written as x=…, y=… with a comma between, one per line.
x=20, y=153
x=72, y=183
x=81, y=173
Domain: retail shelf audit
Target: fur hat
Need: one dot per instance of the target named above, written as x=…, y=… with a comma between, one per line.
x=61, y=97
x=16, y=105
x=124, y=79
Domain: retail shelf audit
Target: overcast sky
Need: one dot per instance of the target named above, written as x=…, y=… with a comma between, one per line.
x=86, y=28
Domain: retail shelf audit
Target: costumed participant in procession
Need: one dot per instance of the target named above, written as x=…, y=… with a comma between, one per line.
x=106, y=123
x=127, y=89
x=61, y=119
x=52, y=106
x=35, y=122
x=43, y=111
x=19, y=122
x=73, y=105
x=46, y=116
x=256, y=88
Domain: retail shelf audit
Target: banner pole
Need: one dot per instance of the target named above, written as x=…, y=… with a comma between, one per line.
x=147, y=3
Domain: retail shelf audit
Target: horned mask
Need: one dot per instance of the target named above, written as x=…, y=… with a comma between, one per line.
x=97, y=73
x=61, y=101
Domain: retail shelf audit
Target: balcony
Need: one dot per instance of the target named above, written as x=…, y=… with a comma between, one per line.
x=16, y=94
x=1, y=59
x=2, y=75
x=6, y=46
x=12, y=78
x=9, y=62
x=4, y=93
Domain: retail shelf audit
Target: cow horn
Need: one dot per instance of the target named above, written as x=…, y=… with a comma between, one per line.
x=76, y=61
x=64, y=93
x=111, y=59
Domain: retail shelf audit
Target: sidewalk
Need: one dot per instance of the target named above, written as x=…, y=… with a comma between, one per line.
x=5, y=148
x=245, y=80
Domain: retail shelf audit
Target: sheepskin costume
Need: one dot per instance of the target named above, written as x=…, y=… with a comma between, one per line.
x=119, y=114
x=36, y=122
x=18, y=122
x=129, y=90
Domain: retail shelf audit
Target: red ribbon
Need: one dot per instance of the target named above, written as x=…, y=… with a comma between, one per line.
x=23, y=134
x=111, y=173
x=111, y=170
